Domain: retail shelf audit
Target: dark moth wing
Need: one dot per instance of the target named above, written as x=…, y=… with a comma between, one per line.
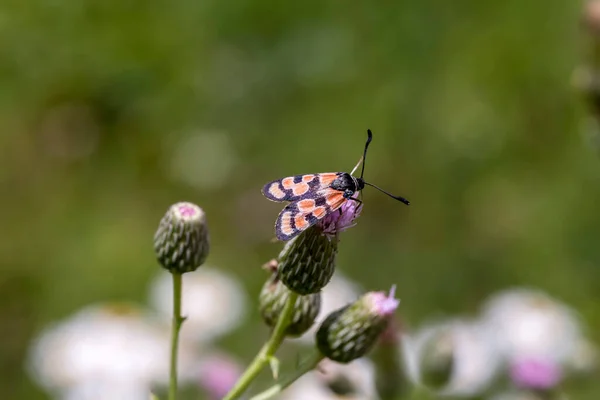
x=298, y=187
x=300, y=215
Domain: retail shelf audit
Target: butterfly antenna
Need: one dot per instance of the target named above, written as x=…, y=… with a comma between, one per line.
x=362, y=173
x=356, y=166
x=364, y=157
x=399, y=198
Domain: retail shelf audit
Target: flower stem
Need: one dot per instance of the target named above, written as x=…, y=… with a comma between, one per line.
x=176, y=326
x=267, y=352
x=307, y=365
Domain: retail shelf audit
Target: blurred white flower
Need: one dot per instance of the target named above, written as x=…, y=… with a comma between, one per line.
x=102, y=344
x=584, y=359
x=530, y=324
x=113, y=389
x=336, y=294
x=213, y=302
x=473, y=361
x=333, y=381
x=203, y=159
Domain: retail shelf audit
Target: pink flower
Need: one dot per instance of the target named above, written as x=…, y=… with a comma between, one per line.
x=535, y=373
x=341, y=219
x=384, y=304
x=218, y=373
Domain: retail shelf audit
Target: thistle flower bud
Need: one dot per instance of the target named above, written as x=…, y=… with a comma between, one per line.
x=181, y=241
x=307, y=262
x=350, y=332
x=273, y=298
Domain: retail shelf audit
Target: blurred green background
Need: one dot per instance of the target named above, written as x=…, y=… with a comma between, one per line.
x=113, y=110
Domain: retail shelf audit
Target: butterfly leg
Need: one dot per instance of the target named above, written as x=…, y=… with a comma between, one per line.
x=348, y=195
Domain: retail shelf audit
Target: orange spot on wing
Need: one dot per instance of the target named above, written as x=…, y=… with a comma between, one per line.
x=335, y=200
x=300, y=188
x=319, y=212
x=275, y=191
x=301, y=222
x=306, y=205
x=327, y=179
x=288, y=183
x=307, y=178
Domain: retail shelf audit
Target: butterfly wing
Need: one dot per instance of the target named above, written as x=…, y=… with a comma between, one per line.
x=298, y=187
x=300, y=215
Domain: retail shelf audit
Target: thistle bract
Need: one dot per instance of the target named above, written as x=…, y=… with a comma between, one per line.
x=273, y=298
x=350, y=332
x=181, y=241
x=307, y=262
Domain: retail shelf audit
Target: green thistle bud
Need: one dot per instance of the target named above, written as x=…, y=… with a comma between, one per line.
x=273, y=297
x=181, y=241
x=307, y=262
x=350, y=332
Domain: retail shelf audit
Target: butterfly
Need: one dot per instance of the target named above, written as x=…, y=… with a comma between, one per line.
x=314, y=196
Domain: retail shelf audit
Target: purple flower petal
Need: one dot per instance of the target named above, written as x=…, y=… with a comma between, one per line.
x=217, y=375
x=341, y=219
x=384, y=304
x=535, y=373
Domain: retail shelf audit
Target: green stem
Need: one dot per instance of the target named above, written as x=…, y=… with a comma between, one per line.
x=267, y=352
x=176, y=326
x=308, y=365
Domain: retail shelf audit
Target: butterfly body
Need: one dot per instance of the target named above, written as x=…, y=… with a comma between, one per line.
x=347, y=184
x=313, y=196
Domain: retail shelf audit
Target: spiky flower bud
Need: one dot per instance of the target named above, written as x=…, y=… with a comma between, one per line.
x=350, y=332
x=307, y=262
x=181, y=241
x=273, y=298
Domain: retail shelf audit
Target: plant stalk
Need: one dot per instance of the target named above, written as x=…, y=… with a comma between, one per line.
x=267, y=352
x=176, y=326
x=307, y=365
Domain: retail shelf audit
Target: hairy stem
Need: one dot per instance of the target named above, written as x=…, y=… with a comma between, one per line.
x=307, y=365
x=176, y=326
x=267, y=352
